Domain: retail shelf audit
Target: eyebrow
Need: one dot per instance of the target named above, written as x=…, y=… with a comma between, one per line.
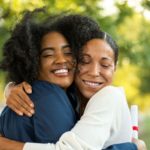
x=107, y=58
x=47, y=48
x=103, y=58
x=51, y=48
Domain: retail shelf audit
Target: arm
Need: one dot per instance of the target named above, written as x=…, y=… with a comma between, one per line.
x=94, y=128
x=6, y=144
x=123, y=146
x=30, y=146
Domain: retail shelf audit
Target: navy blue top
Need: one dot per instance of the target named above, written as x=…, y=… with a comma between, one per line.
x=53, y=116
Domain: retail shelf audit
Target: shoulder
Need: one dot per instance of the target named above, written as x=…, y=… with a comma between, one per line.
x=110, y=95
x=110, y=91
x=45, y=86
x=45, y=90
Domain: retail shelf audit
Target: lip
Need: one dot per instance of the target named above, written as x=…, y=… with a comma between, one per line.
x=61, y=72
x=92, y=84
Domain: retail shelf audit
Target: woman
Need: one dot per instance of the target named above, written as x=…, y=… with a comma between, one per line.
x=50, y=60
x=96, y=84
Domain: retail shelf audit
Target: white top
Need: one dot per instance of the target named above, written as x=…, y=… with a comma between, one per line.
x=106, y=121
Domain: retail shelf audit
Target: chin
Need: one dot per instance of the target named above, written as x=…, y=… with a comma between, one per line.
x=65, y=85
x=88, y=95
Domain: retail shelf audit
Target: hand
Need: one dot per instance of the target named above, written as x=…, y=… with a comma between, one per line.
x=18, y=100
x=140, y=144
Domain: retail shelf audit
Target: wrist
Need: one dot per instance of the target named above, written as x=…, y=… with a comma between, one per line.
x=8, y=88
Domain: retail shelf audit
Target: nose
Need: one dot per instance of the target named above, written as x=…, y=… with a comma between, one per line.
x=94, y=70
x=60, y=58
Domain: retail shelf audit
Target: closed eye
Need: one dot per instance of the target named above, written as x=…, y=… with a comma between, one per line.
x=105, y=66
x=68, y=53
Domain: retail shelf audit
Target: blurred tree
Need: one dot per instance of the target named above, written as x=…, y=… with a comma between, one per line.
x=146, y=4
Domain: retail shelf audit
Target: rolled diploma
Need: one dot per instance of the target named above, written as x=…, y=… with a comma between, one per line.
x=134, y=117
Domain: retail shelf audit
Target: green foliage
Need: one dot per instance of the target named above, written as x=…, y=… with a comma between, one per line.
x=124, y=11
x=146, y=4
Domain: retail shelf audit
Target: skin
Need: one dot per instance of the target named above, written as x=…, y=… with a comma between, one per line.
x=95, y=72
x=56, y=61
x=96, y=68
x=56, y=66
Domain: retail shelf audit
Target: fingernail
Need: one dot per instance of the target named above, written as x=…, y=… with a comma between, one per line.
x=20, y=113
x=29, y=91
x=29, y=114
x=31, y=105
x=32, y=111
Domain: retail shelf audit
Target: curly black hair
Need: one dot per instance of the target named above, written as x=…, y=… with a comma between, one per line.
x=20, y=54
x=21, y=51
x=78, y=30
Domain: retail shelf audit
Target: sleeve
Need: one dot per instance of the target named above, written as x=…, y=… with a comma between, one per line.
x=94, y=127
x=16, y=127
x=54, y=114
x=123, y=146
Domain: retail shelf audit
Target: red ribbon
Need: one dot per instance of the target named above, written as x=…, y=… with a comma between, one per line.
x=136, y=128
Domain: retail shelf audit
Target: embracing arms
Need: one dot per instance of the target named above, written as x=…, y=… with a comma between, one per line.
x=52, y=146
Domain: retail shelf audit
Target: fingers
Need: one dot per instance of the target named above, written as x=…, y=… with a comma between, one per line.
x=140, y=144
x=19, y=106
x=19, y=101
x=27, y=87
x=19, y=109
x=25, y=98
x=24, y=104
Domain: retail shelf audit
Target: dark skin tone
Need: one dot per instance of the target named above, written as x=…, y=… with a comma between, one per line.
x=7, y=144
x=56, y=63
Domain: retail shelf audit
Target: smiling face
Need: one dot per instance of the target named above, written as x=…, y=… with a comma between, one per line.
x=96, y=67
x=56, y=60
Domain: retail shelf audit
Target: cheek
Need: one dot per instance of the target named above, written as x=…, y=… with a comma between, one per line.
x=77, y=80
x=109, y=75
x=45, y=63
x=82, y=69
x=43, y=69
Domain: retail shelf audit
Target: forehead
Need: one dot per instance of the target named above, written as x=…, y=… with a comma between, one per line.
x=53, y=38
x=98, y=47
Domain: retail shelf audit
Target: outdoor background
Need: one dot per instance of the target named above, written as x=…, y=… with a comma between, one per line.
x=128, y=21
